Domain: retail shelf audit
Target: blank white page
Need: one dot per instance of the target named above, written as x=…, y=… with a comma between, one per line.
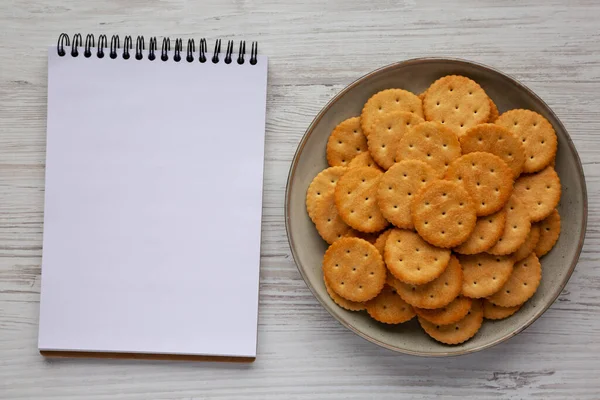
x=152, y=220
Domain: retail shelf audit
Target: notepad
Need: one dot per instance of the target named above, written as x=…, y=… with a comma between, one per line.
x=153, y=201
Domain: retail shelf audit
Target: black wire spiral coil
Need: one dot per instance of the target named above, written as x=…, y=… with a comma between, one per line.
x=140, y=46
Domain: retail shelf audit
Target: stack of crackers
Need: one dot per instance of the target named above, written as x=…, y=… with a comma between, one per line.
x=436, y=206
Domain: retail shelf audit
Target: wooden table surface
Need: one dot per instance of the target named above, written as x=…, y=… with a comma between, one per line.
x=316, y=48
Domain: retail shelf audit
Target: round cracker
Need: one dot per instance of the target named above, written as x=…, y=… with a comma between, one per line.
x=487, y=179
x=342, y=302
x=539, y=192
x=457, y=332
x=484, y=274
x=536, y=134
x=346, y=142
x=486, y=233
x=388, y=101
x=322, y=188
x=389, y=308
x=364, y=160
x=355, y=199
x=430, y=142
x=516, y=228
x=529, y=245
x=457, y=102
x=449, y=314
x=354, y=269
x=437, y=293
x=549, y=233
x=495, y=139
x=443, y=213
x=380, y=242
x=398, y=186
x=387, y=131
x=492, y=311
x=328, y=222
x=521, y=285
x=494, y=113
x=412, y=260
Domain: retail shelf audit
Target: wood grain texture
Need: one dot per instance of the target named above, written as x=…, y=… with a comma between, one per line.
x=315, y=49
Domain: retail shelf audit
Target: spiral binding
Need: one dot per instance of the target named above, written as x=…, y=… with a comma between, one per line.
x=140, y=46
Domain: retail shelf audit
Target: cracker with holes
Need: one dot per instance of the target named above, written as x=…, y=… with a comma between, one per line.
x=529, y=245
x=494, y=113
x=432, y=143
x=437, y=293
x=443, y=213
x=487, y=179
x=549, y=232
x=354, y=269
x=346, y=142
x=449, y=314
x=320, y=204
x=364, y=160
x=398, y=186
x=387, y=131
x=412, y=260
x=388, y=101
x=457, y=102
x=516, y=228
x=492, y=138
x=492, y=311
x=380, y=241
x=484, y=274
x=355, y=199
x=389, y=308
x=342, y=302
x=521, y=285
x=536, y=134
x=539, y=192
x=457, y=332
x=487, y=231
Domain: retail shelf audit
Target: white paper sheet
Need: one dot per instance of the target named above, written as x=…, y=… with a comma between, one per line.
x=152, y=219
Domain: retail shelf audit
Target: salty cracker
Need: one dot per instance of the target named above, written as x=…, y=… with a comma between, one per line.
x=387, y=131
x=388, y=101
x=432, y=143
x=457, y=332
x=539, y=192
x=529, y=245
x=536, y=134
x=449, y=314
x=364, y=160
x=412, y=260
x=492, y=138
x=389, y=308
x=457, y=102
x=342, y=302
x=380, y=242
x=322, y=188
x=487, y=179
x=328, y=222
x=492, y=311
x=346, y=142
x=521, y=285
x=484, y=274
x=354, y=269
x=516, y=228
x=494, y=113
x=355, y=199
x=398, y=186
x=486, y=233
x=437, y=293
x=443, y=213
x=549, y=233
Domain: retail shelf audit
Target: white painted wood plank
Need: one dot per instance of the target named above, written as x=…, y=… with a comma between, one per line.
x=315, y=49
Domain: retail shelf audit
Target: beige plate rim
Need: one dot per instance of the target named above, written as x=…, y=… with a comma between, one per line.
x=308, y=133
